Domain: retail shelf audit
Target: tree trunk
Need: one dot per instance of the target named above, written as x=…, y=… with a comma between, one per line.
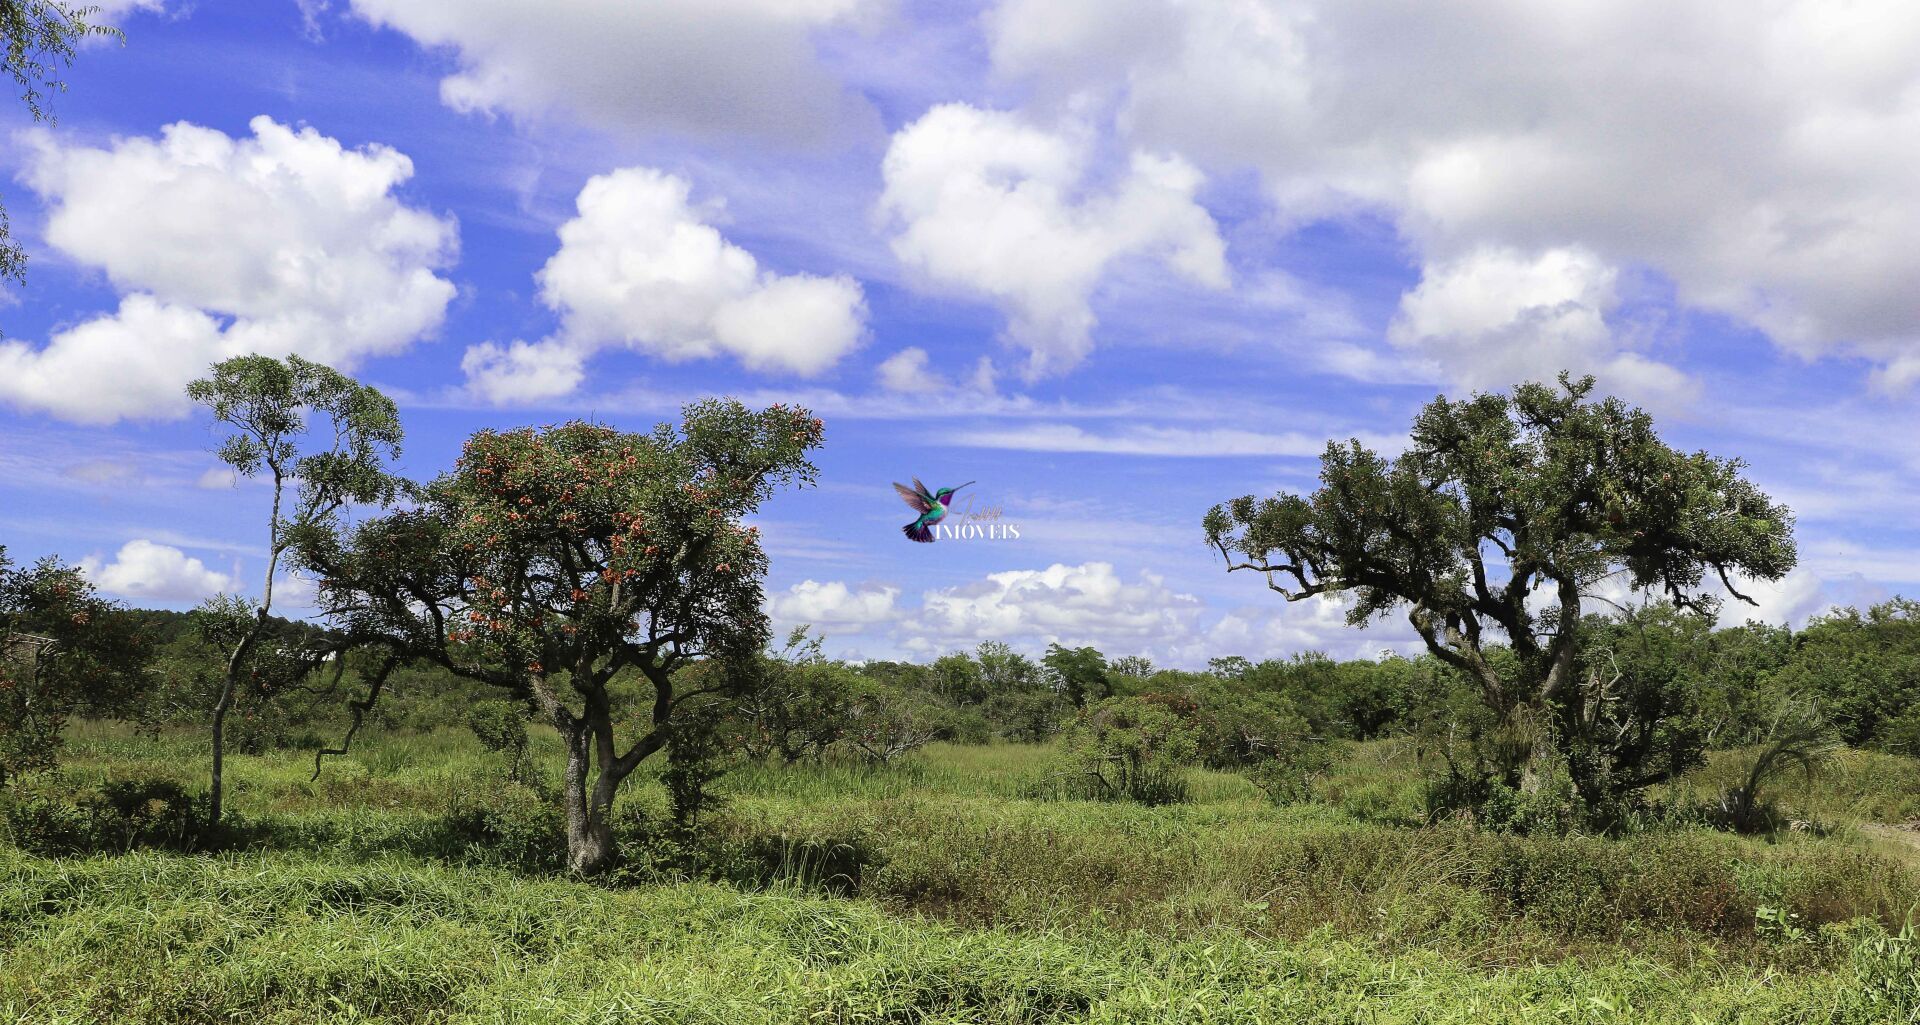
x=1536, y=773
x=219, y=750
x=1533, y=727
x=238, y=659
x=590, y=847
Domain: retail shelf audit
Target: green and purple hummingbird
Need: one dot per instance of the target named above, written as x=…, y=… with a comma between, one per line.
x=931, y=505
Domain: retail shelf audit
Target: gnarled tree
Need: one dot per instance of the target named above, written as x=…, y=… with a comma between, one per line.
x=1495, y=524
x=551, y=561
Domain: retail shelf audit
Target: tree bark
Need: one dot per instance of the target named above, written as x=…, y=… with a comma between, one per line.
x=590, y=847
x=592, y=784
x=240, y=653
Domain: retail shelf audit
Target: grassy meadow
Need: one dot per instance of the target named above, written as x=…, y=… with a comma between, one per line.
x=414, y=882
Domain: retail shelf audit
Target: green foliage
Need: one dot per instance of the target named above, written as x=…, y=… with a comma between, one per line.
x=118, y=816
x=1289, y=771
x=797, y=703
x=1080, y=674
x=1131, y=749
x=270, y=405
x=512, y=827
x=63, y=650
x=1496, y=498
x=268, y=402
x=1799, y=739
x=705, y=743
x=501, y=727
x=1631, y=715
x=1865, y=670
x=284, y=939
x=550, y=562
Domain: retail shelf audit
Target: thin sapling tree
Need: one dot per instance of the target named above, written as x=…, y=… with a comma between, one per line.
x=321, y=441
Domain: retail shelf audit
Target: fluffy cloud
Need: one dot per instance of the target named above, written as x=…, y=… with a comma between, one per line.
x=1085, y=604
x=134, y=362
x=156, y=572
x=284, y=242
x=1089, y=603
x=907, y=371
x=1789, y=601
x=1495, y=316
x=1759, y=157
x=697, y=67
x=217, y=478
x=1281, y=628
x=988, y=204
x=640, y=267
x=833, y=605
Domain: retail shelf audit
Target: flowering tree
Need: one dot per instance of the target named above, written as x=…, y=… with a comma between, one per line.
x=551, y=561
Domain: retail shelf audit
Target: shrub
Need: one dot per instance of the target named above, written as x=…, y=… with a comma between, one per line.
x=1131, y=749
x=119, y=816
x=1289, y=774
x=1799, y=738
x=501, y=727
x=512, y=827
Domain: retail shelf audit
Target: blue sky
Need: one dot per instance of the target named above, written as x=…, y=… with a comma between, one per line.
x=1116, y=261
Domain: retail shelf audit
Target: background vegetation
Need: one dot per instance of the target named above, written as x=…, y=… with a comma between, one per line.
x=538, y=759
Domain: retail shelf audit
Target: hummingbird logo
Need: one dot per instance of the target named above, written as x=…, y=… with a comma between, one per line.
x=931, y=505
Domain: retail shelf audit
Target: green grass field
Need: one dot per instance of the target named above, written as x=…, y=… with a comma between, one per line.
x=941, y=890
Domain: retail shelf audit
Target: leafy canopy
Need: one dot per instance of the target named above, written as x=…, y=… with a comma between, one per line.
x=269, y=402
x=575, y=552
x=1498, y=497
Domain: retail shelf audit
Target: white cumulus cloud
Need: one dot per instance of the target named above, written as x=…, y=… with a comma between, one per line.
x=1757, y=156
x=156, y=572
x=834, y=605
x=696, y=67
x=639, y=267
x=986, y=203
x=1089, y=603
x=285, y=242
x=1495, y=316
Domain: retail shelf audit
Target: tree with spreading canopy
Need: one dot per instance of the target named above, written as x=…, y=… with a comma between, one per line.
x=270, y=403
x=1494, y=527
x=551, y=561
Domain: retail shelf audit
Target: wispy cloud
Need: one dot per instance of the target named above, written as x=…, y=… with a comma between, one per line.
x=1175, y=442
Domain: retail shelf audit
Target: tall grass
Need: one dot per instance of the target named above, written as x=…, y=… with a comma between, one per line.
x=951, y=835
x=279, y=939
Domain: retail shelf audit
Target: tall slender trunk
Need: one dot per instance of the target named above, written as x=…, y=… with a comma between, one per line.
x=238, y=659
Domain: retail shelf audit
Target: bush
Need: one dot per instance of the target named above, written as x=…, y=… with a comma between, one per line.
x=513, y=827
x=119, y=816
x=1131, y=749
x=501, y=727
x=1289, y=774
